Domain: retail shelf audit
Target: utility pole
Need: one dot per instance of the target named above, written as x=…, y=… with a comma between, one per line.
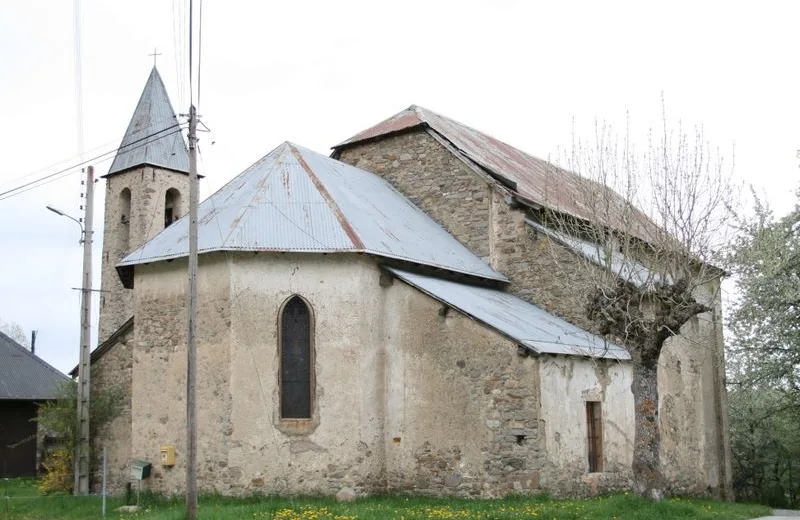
x=191, y=346
x=84, y=376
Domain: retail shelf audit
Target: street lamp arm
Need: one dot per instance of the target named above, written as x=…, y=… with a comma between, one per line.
x=62, y=214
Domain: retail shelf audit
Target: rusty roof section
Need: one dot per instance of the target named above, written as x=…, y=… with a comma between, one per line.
x=296, y=200
x=532, y=179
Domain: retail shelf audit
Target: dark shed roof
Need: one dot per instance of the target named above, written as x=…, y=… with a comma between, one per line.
x=23, y=376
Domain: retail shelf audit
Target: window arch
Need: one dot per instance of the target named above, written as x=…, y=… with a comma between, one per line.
x=125, y=219
x=172, y=206
x=296, y=360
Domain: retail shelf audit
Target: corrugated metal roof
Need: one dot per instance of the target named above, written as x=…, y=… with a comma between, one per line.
x=535, y=179
x=515, y=318
x=152, y=137
x=24, y=376
x=294, y=199
x=626, y=268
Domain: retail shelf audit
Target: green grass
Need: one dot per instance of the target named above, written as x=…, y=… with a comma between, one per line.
x=26, y=503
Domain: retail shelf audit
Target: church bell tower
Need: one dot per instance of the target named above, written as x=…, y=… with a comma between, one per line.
x=147, y=188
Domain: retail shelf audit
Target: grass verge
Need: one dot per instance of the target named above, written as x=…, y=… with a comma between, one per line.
x=22, y=501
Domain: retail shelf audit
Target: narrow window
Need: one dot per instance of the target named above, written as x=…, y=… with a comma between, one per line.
x=172, y=205
x=594, y=427
x=296, y=378
x=124, y=220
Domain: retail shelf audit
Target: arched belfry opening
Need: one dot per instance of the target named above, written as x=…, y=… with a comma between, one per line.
x=172, y=206
x=124, y=220
x=296, y=356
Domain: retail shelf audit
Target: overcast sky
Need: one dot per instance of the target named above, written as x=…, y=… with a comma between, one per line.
x=318, y=72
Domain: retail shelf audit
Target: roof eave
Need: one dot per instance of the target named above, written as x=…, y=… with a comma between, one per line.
x=337, y=149
x=144, y=165
x=106, y=345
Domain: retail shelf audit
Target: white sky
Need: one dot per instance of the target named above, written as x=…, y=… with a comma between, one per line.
x=318, y=72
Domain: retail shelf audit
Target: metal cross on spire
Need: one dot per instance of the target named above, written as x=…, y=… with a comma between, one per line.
x=155, y=55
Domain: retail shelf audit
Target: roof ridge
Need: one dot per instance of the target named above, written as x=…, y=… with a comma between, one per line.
x=323, y=206
x=334, y=207
x=254, y=193
x=41, y=361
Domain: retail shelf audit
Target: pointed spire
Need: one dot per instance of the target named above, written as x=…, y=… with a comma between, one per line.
x=153, y=137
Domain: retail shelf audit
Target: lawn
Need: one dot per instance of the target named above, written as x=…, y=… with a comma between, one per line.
x=21, y=500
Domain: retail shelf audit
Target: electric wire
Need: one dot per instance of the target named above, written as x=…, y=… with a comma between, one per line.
x=191, y=87
x=68, y=159
x=126, y=148
x=74, y=169
x=78, y=77
x=199, y=52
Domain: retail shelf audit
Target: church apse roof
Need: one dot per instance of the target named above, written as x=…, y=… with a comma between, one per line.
x=532, y=179
x=153, y=137
x=296, y=200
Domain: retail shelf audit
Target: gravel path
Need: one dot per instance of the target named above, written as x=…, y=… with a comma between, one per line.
x=781, y=514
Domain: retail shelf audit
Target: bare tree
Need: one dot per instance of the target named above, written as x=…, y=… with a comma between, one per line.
x=645, y=228
x=15, y=332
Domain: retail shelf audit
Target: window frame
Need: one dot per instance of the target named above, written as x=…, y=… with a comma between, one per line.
x=293, y=425
x=594, y=436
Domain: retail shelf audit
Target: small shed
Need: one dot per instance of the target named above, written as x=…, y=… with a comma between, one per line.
x=26, y=381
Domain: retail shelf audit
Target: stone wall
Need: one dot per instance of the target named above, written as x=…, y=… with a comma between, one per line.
x=112, y=373
x=342, y=445
x=407, y=399
x=126, y=229
x=158, y=415
x=695, y=447
x=474, y=209
x=693, y=411
x=435, y=181
x=462, y=406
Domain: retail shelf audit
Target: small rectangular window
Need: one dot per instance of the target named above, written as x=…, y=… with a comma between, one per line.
x=594, y=428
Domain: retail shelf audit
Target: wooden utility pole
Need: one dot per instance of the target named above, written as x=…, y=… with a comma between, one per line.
x=191, y=346
x=82, y=448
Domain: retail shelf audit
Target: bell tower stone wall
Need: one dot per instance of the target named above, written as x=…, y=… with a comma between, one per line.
x=139, y=204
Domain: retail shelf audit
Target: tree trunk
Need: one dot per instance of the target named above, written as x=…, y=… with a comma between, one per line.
x=648, y=480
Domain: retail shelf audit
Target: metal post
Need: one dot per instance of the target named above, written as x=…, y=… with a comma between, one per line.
x=105, y=478
x=84, y=376
x=191, y=347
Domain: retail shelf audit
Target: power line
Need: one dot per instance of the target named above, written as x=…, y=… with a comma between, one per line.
x=199, y=53
x=78, y=77
x=54, y=176
x=191, y=88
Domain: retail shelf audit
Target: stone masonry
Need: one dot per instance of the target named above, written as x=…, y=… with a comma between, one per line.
x=134, y=213
x=478, y=211
x=112, y=372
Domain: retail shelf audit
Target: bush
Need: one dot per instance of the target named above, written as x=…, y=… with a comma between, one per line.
x=58, y=476
x=60, y=419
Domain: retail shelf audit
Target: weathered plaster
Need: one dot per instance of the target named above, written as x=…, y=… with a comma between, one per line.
x=568, y=383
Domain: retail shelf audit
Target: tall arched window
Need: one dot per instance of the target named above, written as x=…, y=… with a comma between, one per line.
x=172, y=206
x=296, y=383
x=124, y=220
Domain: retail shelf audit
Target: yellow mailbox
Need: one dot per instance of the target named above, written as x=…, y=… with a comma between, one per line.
x=167, y=455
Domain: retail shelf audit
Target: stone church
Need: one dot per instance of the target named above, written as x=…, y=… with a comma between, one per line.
x=390, y=318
